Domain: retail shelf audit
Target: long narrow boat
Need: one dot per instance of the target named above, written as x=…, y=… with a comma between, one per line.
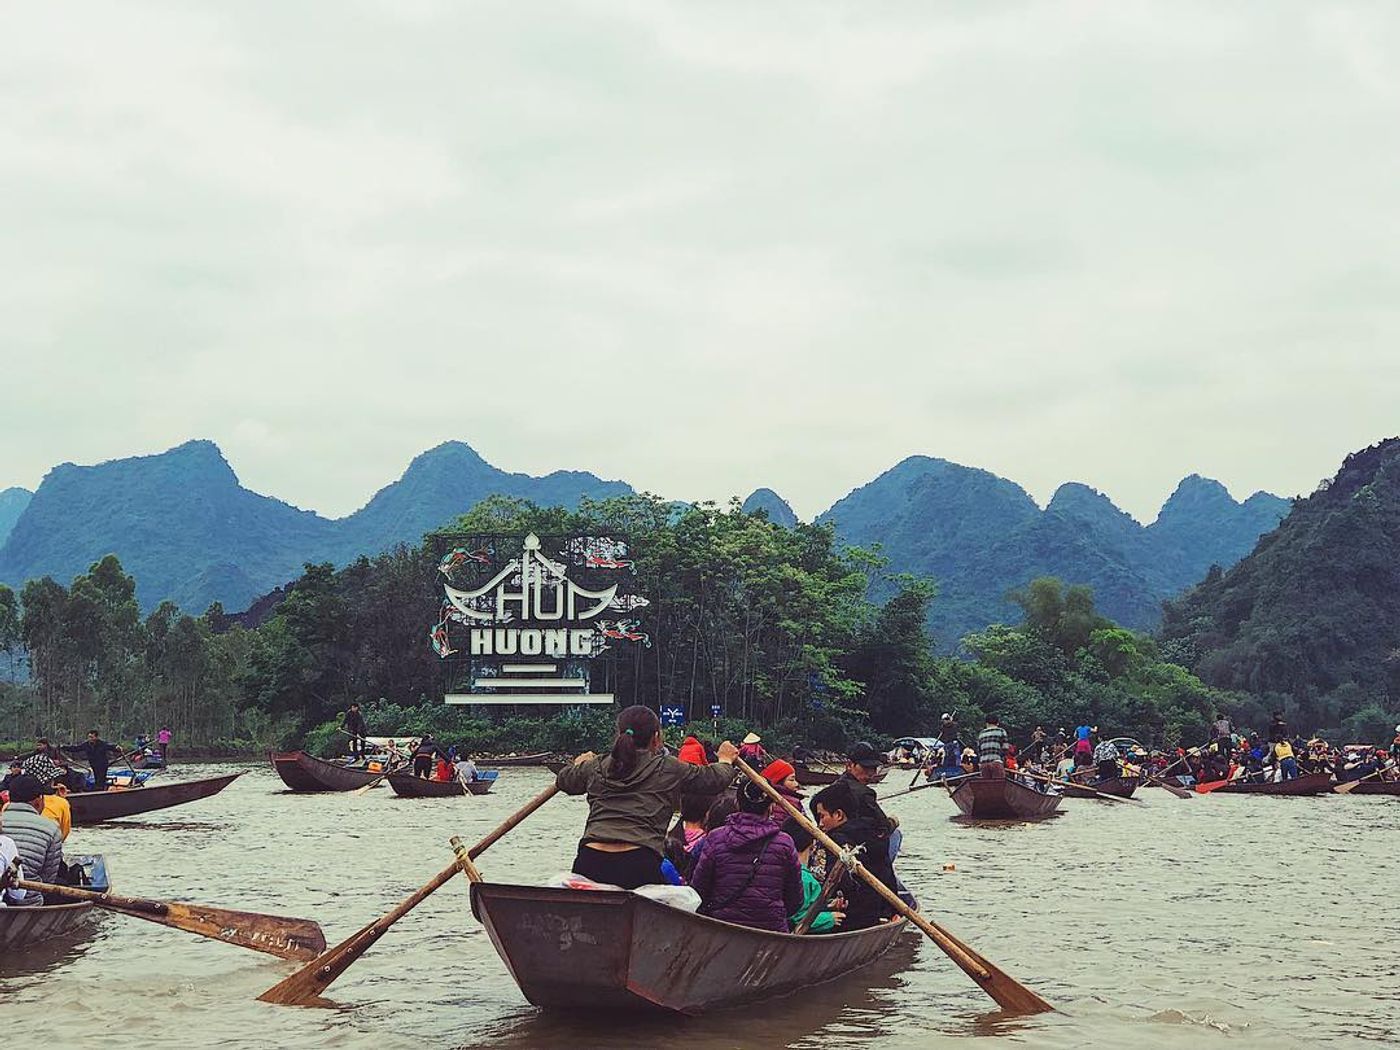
x=406, y=785
x=1308, y=784
x=605, y=950
x=1003, y=800
x=92, y=807
x=24, y=927
x=541, y=758
x=1119, y=787
x=303, y=772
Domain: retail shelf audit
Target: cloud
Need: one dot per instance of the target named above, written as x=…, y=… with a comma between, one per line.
x=702, y=247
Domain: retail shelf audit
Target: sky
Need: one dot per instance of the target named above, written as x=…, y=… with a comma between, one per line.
x=703, y=247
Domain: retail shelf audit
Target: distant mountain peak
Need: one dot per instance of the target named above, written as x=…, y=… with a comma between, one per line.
x=768, y=501
x=13, y=502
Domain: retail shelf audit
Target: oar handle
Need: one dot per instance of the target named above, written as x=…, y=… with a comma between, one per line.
x=140, y=904
x=810, y=916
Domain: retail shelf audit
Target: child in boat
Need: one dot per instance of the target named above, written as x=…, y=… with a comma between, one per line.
x=688, y=830
x=834, y=807
x=632, y=793
x=830, y=917
x=748, y=872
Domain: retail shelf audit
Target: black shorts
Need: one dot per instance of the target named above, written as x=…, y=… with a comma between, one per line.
x=628, y=869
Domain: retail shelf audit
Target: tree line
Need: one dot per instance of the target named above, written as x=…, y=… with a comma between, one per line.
x=772, y=625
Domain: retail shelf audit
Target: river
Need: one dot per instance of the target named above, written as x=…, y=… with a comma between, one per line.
x=1215, y=921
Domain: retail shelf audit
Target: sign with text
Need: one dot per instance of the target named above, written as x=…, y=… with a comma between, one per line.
x=529, y=620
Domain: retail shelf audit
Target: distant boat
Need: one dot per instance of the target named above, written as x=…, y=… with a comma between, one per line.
x=821, y=777
x=303, y=772
x=607, y=950
x=406, y=785
x=1119, y=787
x=92, y=807
x=1308, y=784
x=1004, y=799
x=22, y=928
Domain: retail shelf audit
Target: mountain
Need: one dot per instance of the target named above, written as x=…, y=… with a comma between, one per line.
x=1314, y=612
x=12, y=504
x=447, y=481
x=768, y=501
x=179, y=521
x=185, y=528
x=981, y=536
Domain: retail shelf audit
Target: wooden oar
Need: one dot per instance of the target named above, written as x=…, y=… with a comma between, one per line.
x=287, y=938
x=1179, y=792
x=306, y=985
x=833, y=877
x=924, y=787
x=1350, y=786
x=1083, y=787
x=378, y=780
x=1010, y=994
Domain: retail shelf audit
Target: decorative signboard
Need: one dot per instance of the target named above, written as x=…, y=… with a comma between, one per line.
x=530, y=620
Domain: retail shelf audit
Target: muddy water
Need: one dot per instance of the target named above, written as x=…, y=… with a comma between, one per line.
x=1218, y=921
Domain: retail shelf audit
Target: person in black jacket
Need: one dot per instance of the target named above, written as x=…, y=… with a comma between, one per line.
x=95, y=752
x=355, y=726
x=839, y=814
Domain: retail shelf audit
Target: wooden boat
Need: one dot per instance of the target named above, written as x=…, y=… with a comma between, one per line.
x=602, y=950
x=1120, y=787
x=406, y=785
x=1003, y=800
x=540, y=758
x=92, y=807
x=1375, y=786
x=22, y=928
x=303, y=772
x=1307, y=784
x=820, y=778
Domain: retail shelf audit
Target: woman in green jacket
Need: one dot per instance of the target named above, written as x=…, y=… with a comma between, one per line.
x=632, y=794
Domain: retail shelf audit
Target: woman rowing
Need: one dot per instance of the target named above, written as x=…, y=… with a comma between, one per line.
x=632, y=794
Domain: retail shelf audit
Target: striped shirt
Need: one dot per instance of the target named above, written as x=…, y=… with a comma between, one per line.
x=991, y=744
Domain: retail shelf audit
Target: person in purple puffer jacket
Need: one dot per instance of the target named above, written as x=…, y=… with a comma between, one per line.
x=748, y=872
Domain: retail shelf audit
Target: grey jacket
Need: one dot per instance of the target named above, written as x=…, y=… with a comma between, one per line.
x=39, y=842
x=638, y=808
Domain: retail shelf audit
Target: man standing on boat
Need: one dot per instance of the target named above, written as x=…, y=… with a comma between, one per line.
x=95, y=752
x=991, y=750
x=355, y=726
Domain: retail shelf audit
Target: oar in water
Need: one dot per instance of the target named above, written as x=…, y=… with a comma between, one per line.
x=306, y=985
x=287, y=938
x=925, y=787
x=1179, y=792
x=1010, y=994
x=378, y=780
x=1084, y=787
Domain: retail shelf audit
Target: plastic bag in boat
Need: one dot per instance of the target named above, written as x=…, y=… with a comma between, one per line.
x=682, y=897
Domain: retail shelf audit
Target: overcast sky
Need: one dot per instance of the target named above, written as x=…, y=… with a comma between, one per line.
x=703, y=247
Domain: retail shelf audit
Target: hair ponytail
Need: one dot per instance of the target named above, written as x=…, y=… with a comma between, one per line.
x=635, y=728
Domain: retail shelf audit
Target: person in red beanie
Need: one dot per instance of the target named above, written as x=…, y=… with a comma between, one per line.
x=692, y=751
x=782, y=776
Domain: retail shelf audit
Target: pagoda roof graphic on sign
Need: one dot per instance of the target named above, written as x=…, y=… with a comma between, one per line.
x=525, y=620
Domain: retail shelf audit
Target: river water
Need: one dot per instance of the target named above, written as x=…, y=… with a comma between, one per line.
x=1216, y=921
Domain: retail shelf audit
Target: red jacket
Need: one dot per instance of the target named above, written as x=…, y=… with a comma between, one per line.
x=693, y=752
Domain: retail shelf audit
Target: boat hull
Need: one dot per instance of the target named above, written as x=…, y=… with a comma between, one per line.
x=1376, y=787
x=406, y=785
x=1308, y=784
x=1119, y=787
x=303, y=772
x=1003, y=800
x=610, y=951
x=22, y=928
x=93, y=807
x=819, y=778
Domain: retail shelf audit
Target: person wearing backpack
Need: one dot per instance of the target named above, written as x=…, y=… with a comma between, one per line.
x=748, y=873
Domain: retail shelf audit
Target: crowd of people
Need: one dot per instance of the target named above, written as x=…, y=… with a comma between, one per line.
x=749, y=860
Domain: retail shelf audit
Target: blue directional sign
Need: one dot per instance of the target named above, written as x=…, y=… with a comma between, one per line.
x=672, y=716
x=714, y=710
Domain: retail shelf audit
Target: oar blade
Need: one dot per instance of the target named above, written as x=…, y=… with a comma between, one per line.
x=304, y=987
x=282, y=936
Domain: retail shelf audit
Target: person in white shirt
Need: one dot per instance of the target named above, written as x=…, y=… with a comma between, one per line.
x=9, y=854
x=466, y=770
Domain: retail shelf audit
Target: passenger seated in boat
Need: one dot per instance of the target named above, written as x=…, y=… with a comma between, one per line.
x=442, y=770
x=838, y=815
x=783, y=777
x=16, y=770
x=832, y=915
x=9, y=861
x=466, y=769
x=1106, y=759
x=632, y=793
x=688, y=830
x=748, y=872
x=723, y=805
x=36, y=838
